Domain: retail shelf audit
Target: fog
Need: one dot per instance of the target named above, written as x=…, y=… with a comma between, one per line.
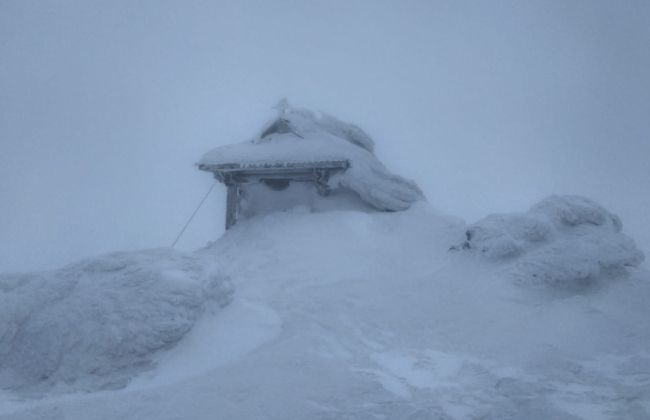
x=489, y=106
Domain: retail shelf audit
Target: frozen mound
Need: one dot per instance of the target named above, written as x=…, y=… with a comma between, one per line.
x=298, y=136
x=97, y=323
x=562, y=239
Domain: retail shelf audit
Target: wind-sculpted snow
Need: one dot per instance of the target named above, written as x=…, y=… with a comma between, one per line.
x=97, y=323
x=561, y=240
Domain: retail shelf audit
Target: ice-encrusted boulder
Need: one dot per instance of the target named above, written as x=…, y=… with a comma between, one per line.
x=299, y=136
x=97, y=323
x=559, y=240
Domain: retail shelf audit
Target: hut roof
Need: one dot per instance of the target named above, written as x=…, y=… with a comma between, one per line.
x=300, y=138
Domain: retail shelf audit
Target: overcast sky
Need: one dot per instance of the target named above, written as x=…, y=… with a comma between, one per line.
x=489, y=106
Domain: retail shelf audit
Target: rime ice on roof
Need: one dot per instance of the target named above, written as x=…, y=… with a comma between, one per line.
x=339, y=155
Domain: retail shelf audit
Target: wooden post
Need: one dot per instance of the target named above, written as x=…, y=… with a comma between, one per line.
x=321, y=176
x=232, y=206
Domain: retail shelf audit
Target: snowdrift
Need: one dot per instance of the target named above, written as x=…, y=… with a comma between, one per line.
x=97, y=323
x=563, y=240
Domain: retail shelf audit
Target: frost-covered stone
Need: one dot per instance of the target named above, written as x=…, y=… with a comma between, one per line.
x=559, y=240
x=571, y=211
x=508, y=235
x=579, y=258
x=97, y=323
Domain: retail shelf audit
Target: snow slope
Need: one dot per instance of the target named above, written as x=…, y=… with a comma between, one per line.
x=351, y=315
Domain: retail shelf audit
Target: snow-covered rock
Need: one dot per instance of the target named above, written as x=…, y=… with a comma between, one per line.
x=97, y=323
x=299, y=136
x=560, y=240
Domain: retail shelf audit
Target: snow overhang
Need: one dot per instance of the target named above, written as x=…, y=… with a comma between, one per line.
x=235, y=173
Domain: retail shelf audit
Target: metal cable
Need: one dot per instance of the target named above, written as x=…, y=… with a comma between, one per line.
x=197, y=209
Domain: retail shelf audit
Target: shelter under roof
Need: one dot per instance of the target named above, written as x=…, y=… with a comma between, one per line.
x=301, y=146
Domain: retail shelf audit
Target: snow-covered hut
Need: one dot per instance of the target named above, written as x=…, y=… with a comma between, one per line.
x=300, y=157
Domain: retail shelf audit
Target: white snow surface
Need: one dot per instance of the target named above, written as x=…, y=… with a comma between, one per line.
x=323, y=138
x=353, y=315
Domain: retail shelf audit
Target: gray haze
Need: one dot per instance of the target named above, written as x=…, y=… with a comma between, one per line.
x=489, y=106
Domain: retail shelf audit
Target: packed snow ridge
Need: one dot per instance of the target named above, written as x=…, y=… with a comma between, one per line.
x=299, y=136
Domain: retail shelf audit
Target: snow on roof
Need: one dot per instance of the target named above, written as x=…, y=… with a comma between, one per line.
x=298, y=136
